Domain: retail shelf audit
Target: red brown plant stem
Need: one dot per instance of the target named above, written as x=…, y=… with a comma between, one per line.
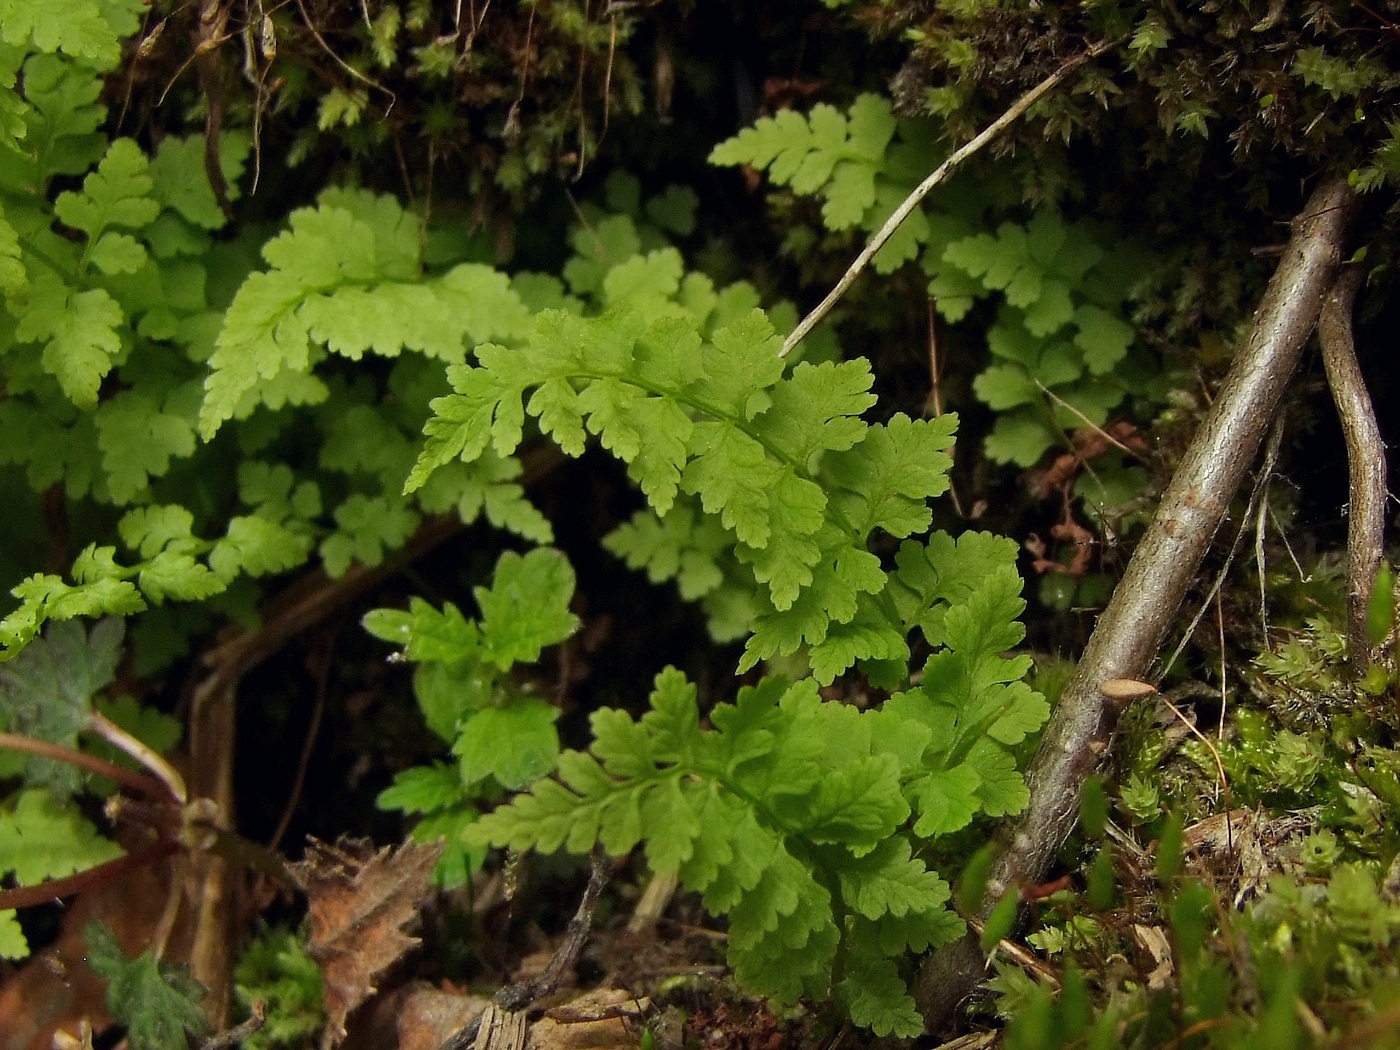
x=1145, y=602
x=108, y=871
x=139, y=782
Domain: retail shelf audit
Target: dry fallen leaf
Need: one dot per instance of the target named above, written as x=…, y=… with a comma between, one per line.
x=429, y=1017
x=360, y=900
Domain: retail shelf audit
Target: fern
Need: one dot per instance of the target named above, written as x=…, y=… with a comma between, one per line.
x=801, y=821
x=792, y=816
x=1061, y=340
x=784, y=462
x=502, y=737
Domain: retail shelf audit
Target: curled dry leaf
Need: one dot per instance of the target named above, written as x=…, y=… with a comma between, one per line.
x=360, y=901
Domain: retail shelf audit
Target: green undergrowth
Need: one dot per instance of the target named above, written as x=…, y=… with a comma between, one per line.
x=1276, y=929
x=194, y=407
x=1062, y=347
x=220, y=405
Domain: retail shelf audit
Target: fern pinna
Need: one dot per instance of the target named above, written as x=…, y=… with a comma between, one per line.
x=801, y=820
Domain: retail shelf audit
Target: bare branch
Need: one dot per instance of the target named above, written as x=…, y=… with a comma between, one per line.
x=1365, y=458
x=1132, y=627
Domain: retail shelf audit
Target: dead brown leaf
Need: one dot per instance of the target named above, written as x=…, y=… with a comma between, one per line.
x=429, y=1017
x=54, y=991
x=360, y=901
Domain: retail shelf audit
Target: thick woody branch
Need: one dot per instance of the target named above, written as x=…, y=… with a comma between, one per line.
x=1145, y=603
x=1365, y=458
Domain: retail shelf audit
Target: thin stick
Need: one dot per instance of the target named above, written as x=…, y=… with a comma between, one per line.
x=940, y=174
x=1100, y=431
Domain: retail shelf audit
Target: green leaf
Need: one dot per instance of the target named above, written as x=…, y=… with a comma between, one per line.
x=890, y=881
x=13, y=944
x=1005, y=386
x=460, y=859
x=14, y=280
x=257, y=547
x=150, y=530
x=1002, y=789
x=1021, y=438
x=172, y=574
x=933, y=575
x=1380, y=609
x=827, y=152
x=425, y=633
x=423, y=789
x=116, y=194
x=674, y=210
x=526, y=608
x=156, y=1001
x=894, y=471
x=1103, y=337
x=47, y=691
x=180, y=179
x=78, y=330
x=367, y=527
x=77, y=28
x=681, y=545
x=516, y=744
x=858, y=805
x=945, y=799
x=46, y=597
x=875, y=996
x=346, y=278
x=42, y=838
x=138, y=439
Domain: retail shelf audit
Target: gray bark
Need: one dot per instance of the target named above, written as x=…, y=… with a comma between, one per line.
x=1145, y=603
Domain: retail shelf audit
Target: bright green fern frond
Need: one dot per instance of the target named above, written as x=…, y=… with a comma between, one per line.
x=346, y=278
x=786, y=816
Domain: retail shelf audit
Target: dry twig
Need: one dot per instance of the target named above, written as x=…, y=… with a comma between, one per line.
x=940, y=174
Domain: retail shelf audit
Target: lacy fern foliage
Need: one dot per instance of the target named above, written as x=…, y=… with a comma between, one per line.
x=502, y=736
x=1061, y=339
x=793, y=816
x=783, y=461
x=785, y=816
